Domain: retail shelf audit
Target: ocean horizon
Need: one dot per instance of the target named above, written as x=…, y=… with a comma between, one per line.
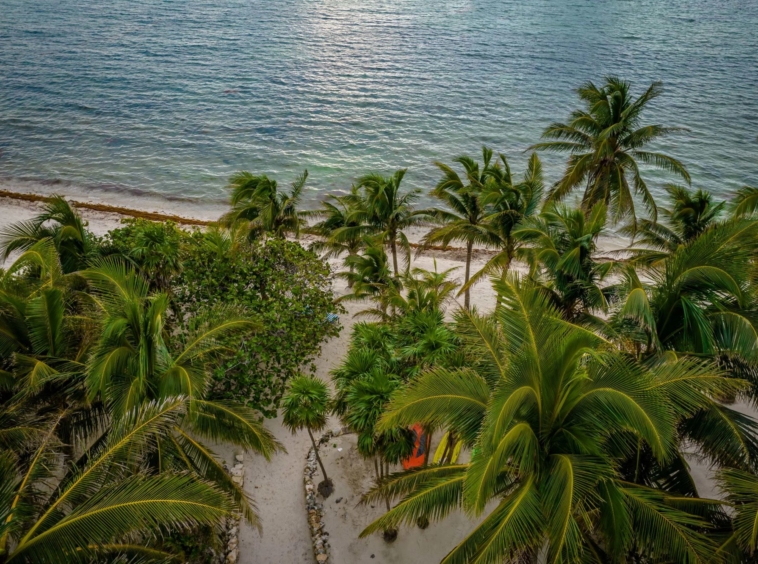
x=163, y=101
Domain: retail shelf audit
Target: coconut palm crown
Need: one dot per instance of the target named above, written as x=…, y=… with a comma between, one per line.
x=306, y=406
x=384, y=211
x=509, y=204
x=258, y=203
x=134, y=359
x=59, y=222
x=560, y=247
x=550, y=410
x=464, y=218
x=337, y=212
x=687, y=216
x=103, y=505
x=605, y=142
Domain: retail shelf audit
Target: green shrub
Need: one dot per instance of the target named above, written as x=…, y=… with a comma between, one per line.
x=153, y=248
x=284, y=286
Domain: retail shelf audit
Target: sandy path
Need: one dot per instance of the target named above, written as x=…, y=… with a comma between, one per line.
x=277, y=486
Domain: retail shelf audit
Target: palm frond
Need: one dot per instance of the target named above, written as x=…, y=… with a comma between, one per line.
x=233, y=423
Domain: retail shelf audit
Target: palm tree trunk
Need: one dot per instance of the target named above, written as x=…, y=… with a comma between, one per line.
x=452, y=440
x=428, y=445
x=510, y=251
x=315, y=449
x=387, y=473
x=393, y=246
x=469, y=248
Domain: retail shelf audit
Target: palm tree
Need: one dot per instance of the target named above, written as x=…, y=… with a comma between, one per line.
x=57, y=508
x=305, y=406
x=509, y=205
x=689, y=215
x=337, y=212
x=257, y=202
x=698, y=300
x=225, y=240
x=42, y=335
x=370, y=348
x=426, y=291
x=605, y=145
x=369, y=277
x=157, y=251
x=134, y=359
x=551, y=410
x=465, y=219
x=746, y=202
x=58, y=222
x=32, y=312
x=365, y=400
x=100, y=354
x=424, y=340
x=385, y=212
x=741, y=493
x=559, y=245
x=44, y=342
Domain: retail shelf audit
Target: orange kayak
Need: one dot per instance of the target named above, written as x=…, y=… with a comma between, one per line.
x=416, y=459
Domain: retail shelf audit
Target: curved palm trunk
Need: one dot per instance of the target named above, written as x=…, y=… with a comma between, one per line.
x=350, y=280
x=469, y=248
x=393, y=246
x=315, y=449
x=427, y=445
x=507, y=266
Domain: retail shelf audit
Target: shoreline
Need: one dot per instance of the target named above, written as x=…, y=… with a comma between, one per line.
x=34, y=198
x=107, y=208
x=606, y=243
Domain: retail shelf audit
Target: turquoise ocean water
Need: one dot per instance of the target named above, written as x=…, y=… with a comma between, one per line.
x=168, y=97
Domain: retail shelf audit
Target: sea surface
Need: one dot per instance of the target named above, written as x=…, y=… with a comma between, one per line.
x=164, y=99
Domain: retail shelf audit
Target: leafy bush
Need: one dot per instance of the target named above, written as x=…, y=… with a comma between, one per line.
x=153, y=248
x=285, y=287
x=277, y=282
x=200, y=545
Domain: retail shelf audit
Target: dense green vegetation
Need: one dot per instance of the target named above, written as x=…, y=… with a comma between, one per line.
x=281, y=285
x=122, y=359
x=578, y=400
